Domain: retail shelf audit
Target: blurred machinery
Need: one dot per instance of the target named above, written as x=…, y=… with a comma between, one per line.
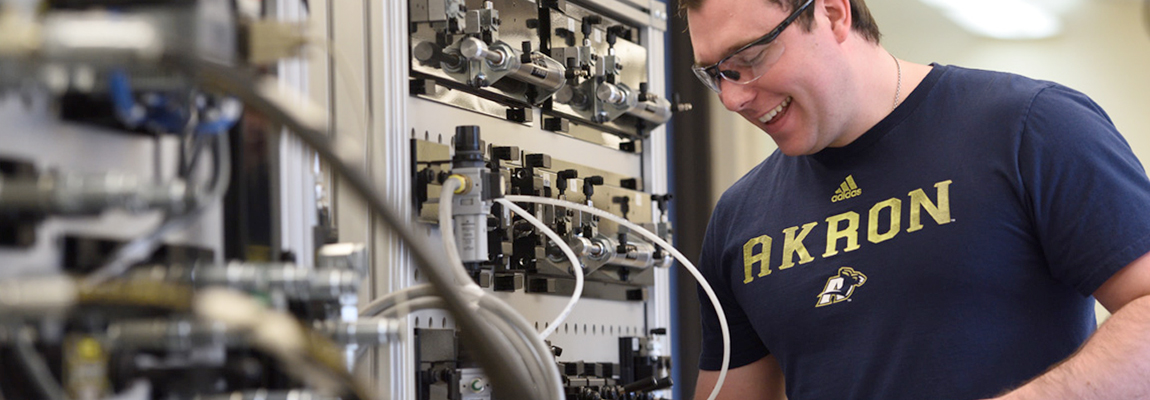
x=175, y=223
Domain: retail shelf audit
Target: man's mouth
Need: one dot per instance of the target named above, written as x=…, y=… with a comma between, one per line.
x=778, y=110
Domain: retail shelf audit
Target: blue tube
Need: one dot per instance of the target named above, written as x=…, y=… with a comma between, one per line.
x=127, y=110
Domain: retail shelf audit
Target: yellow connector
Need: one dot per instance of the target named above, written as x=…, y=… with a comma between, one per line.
x=464, y=183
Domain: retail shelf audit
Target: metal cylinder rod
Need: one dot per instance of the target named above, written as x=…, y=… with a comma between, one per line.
x=611, y=94
x=657, y=111
x=429, y=52
x=544, y=72
x=475, y=49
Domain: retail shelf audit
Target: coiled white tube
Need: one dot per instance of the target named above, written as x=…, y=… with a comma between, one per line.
x=674, y=252
x=576, y=266
x=546, y=372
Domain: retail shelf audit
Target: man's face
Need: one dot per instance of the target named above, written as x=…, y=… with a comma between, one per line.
x=790, y=101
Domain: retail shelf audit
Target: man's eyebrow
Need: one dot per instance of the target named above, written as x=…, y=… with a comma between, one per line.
x=738, y=46
x=730, y=49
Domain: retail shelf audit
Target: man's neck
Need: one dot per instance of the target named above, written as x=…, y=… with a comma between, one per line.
x=881, y=82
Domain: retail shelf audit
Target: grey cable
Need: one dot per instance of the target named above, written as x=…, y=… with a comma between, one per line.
x=376, y=307
x=423, y=297
x=542, y=350
x=510, y=329
x=477, y=335
x=530, y=362
x=191, y=155
x=576, y=269
x=36, y=367
x=683, y=261
x=139, y=249
x=541, y=374
x=413, y=305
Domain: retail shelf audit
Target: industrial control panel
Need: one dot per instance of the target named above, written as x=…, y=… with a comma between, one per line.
x=562, y=100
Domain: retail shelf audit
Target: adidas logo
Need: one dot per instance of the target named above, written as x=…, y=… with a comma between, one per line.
x=846, y=190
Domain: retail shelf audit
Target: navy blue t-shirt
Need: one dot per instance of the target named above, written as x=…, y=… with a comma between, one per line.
x=948, y=253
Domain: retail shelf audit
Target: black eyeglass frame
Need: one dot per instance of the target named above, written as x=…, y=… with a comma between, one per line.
x=712, y=71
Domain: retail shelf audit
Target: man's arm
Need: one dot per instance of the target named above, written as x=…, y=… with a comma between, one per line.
x=761, y=379
x=1115, y=362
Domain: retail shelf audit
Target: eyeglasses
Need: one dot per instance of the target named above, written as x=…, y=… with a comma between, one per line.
x=749, y=62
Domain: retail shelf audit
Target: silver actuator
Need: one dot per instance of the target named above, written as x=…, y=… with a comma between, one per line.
x=541, y=71
x=655, y=109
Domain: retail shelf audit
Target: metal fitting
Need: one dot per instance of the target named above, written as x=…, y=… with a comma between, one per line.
x=293, y=281
x=367, y=332
x=173, y=335
x=345, y=256
x=90, y=194
x=269, y=395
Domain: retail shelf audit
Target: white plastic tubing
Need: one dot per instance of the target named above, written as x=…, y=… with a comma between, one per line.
x=576, y=266
x=674, y=252
x=546, y=372
x=446, y=227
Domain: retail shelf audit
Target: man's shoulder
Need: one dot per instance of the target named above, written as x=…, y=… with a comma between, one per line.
x=985, y=102
x=989, y=85
x=1012, y=95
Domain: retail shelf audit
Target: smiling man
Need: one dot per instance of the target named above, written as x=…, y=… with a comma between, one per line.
x=923, y=231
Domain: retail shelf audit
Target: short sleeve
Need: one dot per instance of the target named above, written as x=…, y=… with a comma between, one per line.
x=746, y=347
x=1088, y=193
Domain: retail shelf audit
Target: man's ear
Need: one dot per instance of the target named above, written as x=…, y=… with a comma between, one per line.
x=838, y=13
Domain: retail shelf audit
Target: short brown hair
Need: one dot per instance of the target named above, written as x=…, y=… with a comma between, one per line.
x=861, y=20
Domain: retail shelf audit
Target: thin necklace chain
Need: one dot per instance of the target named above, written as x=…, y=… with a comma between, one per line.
x=898, y=88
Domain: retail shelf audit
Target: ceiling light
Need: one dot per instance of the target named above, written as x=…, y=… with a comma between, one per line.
x=1001, y=19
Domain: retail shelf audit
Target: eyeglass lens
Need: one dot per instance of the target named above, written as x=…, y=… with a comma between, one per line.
x=750, y=64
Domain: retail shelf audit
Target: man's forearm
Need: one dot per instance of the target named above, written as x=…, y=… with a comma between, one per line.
x=1113, y=364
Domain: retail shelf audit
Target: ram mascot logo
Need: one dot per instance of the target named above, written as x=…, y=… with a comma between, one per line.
x=840, y=287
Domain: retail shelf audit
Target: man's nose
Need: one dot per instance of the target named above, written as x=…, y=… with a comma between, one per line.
x=735, y=97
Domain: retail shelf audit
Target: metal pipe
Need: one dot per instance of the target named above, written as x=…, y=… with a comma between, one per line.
x=173, y=335
x=295, y=282
x=76, y=194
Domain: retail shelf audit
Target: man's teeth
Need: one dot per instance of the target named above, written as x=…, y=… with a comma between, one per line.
x=778, y=110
